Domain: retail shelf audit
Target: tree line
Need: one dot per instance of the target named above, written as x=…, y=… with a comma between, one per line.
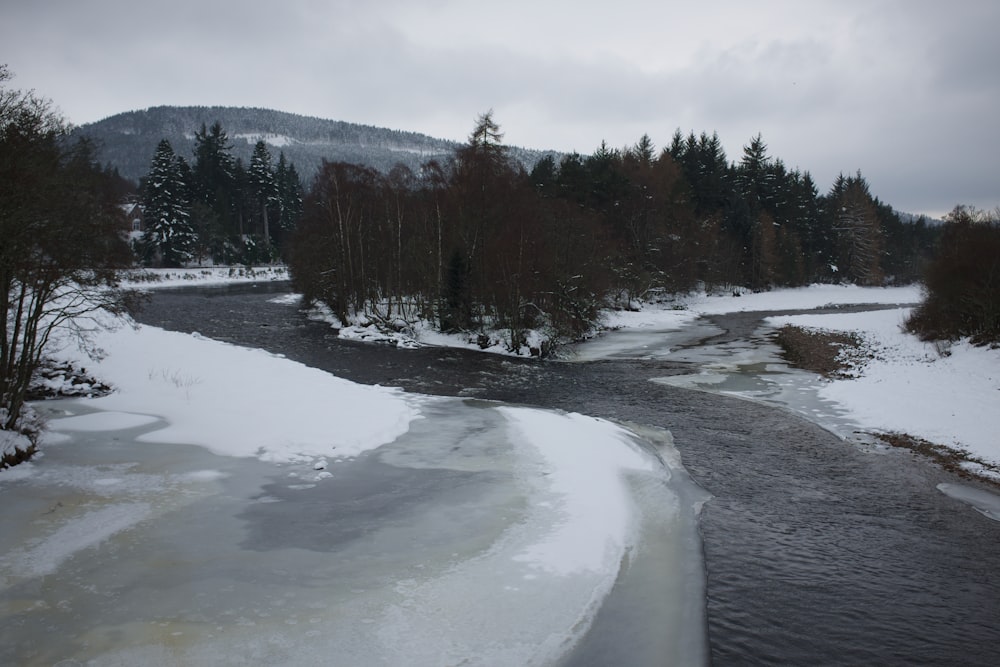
x=481, y=243
x=215, y=208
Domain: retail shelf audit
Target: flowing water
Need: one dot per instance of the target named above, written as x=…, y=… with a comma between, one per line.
x=818, y=550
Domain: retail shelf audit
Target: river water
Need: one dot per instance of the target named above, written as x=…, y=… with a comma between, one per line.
x=818, y=551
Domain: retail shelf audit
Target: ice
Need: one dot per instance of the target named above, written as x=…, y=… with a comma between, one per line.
x=581, y=462
x=101, y=421
x=984, y=502
x=84, y=531
x=483, y=534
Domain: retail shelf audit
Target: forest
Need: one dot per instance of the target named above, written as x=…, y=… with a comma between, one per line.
x=478, y=243
x=215, y=208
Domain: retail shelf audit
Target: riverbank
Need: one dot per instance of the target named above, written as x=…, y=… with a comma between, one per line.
x=839, y=355
x=940, y=400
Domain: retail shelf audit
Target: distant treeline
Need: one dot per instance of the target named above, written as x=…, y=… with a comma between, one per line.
x=478, y=242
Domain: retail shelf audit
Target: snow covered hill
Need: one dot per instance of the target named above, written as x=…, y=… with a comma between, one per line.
x=128, y=140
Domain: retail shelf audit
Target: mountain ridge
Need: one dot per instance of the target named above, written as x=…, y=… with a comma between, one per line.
x=128, y=140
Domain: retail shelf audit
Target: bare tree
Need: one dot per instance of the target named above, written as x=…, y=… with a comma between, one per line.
x=62, y=238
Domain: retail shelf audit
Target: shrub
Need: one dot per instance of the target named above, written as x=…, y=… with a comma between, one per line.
x=962, y=282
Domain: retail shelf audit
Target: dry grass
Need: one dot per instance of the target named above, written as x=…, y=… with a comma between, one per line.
x=952, y=460
x=831, y=354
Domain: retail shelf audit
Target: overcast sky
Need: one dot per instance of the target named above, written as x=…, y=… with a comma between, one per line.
x=907, y=91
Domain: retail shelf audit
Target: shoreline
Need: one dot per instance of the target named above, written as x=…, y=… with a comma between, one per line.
x=839, y=355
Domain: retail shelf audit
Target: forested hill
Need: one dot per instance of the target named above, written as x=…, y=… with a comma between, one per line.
x=128, y=140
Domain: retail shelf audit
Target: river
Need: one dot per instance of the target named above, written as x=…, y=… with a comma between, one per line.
x=817, y=551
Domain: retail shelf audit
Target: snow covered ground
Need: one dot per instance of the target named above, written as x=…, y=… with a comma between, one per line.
x=202, y=276
x=403, y=515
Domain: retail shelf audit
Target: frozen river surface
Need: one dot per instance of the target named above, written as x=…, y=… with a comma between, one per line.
x=484, y=535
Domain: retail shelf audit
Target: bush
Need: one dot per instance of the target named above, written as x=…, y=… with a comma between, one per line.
x=962, y=282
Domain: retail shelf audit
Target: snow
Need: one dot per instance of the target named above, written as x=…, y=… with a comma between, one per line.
x=271, y=139
x=208, y=276
x=814, y=296
x=11, y=442
x=583, y=460
x=237, y=401
x=568, y=517
x=948, y=395
x=944, y=393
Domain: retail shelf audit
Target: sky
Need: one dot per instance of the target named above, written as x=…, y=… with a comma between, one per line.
x=906, y=91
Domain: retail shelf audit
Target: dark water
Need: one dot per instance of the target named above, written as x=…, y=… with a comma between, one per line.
x=817, y=553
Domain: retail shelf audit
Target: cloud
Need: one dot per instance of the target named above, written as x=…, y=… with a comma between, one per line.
x=903, y=90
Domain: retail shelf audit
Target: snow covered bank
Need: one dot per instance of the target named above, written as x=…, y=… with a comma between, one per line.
x=803, y=298
x=238, y=401
x=202, y=276
x=946, y=394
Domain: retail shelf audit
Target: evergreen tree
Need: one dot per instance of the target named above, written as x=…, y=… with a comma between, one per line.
x=644, y=151
x=263, y=186
x=289, y=194
x=169, y=233
x=544, y=176
x=214, y=177
x=859, y=233
x=752, y=175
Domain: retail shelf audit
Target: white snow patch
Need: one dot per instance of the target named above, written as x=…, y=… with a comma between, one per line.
x=276, y=140
x=238, y=401
x=583, y=461
x=802, y=298
x=202, y=276
x=909, y=387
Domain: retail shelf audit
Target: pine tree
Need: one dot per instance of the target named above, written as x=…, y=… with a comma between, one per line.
x=289, y=189
x=859, y=232
x=214, y=177
x=752, y=174
x=169, y=234
x=262, y=182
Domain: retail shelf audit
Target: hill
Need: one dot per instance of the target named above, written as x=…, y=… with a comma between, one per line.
x=128, y=140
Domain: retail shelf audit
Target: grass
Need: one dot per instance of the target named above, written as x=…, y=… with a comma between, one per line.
x=828, y=353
